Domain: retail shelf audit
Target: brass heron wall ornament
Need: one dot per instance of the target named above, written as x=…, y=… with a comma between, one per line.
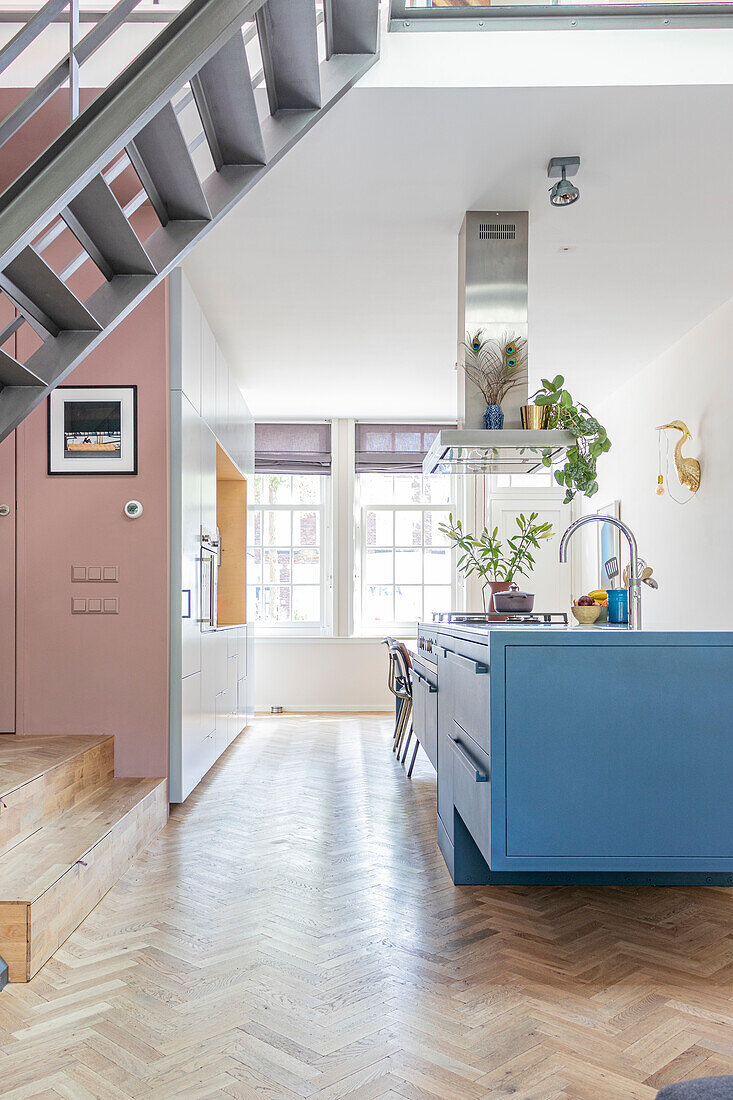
x=688, y=469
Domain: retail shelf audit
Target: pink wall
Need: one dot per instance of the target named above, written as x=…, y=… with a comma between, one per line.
x=96, y=673
x=100, y=673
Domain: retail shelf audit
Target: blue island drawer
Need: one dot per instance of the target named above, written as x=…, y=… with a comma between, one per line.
x=425, y=712
x=470, y=692
x=472, y=787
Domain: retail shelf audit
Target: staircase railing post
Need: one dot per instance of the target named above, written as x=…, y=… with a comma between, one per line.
x=73, y=62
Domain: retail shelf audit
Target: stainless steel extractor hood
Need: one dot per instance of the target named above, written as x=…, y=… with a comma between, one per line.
x=493, y=260
x=509, y=451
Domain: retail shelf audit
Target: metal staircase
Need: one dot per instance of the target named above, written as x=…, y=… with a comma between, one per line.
x=248, y=123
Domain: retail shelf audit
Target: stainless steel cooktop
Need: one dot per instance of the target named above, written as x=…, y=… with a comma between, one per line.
x=494, y=618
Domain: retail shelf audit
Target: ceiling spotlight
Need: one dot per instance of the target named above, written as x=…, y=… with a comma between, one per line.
x=563, y=193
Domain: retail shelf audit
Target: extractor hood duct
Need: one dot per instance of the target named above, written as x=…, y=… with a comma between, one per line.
x=493, y=269
x=493, y=260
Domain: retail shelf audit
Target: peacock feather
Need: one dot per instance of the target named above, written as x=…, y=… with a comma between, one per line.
x=495, y=366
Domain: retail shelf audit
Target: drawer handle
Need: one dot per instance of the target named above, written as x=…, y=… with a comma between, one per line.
x=465, y=662
x=424, y=680
x=468, y=762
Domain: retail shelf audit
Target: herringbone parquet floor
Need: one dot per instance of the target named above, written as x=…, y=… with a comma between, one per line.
x=293, y=933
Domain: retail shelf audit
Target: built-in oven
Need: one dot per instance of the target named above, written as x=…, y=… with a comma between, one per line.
x=209, y=562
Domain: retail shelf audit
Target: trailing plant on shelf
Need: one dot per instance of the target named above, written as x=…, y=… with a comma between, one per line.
x=578, y=475
x=495, y=367
x=492, y=559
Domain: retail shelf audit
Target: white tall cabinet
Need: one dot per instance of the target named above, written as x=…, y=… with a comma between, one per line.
x=210, y=694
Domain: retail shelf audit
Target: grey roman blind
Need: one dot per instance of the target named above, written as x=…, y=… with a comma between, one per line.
x=293, y=448
x=393, y=448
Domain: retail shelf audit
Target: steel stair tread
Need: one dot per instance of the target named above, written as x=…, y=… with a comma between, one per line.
x=43, y=298
x=13, y=373
x=97, y=220
x=289, y=48
x=160, y=156
x=226, y=102
x=30, y=868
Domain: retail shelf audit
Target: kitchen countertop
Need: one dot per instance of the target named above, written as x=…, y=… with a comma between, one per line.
x=575, y=633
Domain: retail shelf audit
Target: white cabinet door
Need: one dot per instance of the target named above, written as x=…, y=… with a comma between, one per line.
x=192, y=762
x=213, y=675
x=190, y=345
x=232, y=681
x=232, y=643
x=221, y=423
x=208, y=479
x=236, y=725
x=222, y=722
x=208, y=752
x=242, y=653
x=208, y=373
x=242, y=700
x=190, y=473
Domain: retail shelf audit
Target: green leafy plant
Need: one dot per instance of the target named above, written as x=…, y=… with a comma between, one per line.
x=578, y=475
x=492, y=559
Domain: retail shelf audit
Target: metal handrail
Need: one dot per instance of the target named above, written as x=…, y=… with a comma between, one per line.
x=30, y=32
x=63, y=71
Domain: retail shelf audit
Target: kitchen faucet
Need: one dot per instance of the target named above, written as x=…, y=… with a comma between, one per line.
x=634, y=577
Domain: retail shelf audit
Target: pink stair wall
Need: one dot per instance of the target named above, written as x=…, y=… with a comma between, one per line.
x=96, y=673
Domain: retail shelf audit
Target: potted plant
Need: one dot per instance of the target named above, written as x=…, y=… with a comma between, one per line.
x=494, y=561
x=578, y=474
x=495, y=367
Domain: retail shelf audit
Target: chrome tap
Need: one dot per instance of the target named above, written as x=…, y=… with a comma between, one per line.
x=634, y=572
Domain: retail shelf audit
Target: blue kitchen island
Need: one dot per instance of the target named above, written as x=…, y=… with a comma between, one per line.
x=569, y=755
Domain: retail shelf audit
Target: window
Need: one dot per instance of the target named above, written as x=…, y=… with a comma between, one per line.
x=404, y=564
x=288, y=539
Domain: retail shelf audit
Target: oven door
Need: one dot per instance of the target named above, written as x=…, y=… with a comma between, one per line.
x=209, y=570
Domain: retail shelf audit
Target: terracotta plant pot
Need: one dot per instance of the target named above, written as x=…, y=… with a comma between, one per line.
x=497, y=586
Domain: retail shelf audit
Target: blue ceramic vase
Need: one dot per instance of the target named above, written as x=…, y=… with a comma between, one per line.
x=494, y=416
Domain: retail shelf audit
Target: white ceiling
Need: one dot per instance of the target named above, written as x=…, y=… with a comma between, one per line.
x=332, y=287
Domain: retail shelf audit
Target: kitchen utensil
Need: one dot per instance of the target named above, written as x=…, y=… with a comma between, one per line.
x=618, y=605
x=611, y=567
x=586, y=615
x=513, y=601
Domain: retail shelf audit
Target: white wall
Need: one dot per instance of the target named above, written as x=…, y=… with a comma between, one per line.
x=322, y=674
x=690, y=545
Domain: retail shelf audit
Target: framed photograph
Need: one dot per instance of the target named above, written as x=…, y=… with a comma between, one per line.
x=609, y=544
x=92, y=430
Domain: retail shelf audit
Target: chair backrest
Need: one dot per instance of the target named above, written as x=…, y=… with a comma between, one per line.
x=389, y=642
x=401, y=658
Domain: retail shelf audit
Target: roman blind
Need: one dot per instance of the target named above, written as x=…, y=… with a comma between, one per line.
x=293, y=448
x=393, y=448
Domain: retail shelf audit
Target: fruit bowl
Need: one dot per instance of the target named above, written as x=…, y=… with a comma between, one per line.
x=586, y=615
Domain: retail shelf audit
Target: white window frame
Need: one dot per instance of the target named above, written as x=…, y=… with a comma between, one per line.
x=405, y=628
x=325, y=508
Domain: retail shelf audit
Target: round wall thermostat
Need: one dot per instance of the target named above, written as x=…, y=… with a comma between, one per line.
x=133, y=509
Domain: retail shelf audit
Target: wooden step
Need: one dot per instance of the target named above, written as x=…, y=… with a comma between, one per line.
x=41, y=777
x=53, y=878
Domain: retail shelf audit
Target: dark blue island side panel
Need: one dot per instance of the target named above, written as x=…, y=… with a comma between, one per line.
x=613, y=753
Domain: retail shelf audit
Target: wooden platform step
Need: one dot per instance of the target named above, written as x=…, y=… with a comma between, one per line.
x=69, y=831
x=41, y=777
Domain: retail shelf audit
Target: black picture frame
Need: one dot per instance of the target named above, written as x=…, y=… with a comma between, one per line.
x=128, y=426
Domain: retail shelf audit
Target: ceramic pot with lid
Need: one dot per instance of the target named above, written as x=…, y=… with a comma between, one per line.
x=514, y=602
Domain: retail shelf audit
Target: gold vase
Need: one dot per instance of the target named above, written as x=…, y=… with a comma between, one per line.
x=535, y=416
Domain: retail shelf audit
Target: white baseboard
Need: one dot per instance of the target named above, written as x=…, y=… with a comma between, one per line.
x=332, y=708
